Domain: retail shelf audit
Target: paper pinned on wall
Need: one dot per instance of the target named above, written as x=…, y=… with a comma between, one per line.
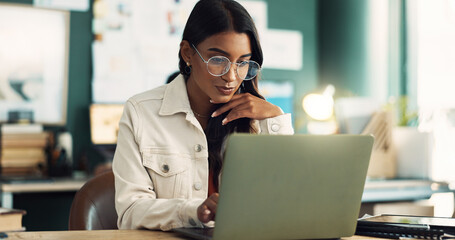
x=280, y=93
x=283, y=49
x=72, y=5
x=111, y=91
x=258, y=11
x=136, y=46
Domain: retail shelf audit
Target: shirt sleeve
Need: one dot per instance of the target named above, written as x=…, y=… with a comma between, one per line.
x=135, y=199
x=281, y=124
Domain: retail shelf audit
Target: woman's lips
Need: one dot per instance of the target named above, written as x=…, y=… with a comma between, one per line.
x=225, y=90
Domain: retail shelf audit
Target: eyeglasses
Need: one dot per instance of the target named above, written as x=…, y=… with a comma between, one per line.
x=220, y=65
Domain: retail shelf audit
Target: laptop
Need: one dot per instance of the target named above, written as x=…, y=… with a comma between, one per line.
x=290, y=187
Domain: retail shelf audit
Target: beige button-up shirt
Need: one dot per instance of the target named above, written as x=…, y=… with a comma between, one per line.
x=161, y=161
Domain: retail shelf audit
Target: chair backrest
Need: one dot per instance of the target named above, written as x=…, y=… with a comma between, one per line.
x=93, y=207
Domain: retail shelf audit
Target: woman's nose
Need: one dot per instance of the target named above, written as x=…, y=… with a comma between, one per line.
x=231, y=75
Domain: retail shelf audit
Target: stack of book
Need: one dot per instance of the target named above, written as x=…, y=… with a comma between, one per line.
x=23, y=149
x=11, y=219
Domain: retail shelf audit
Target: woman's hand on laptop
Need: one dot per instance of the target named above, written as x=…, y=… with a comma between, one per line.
x=249, y=106
x=207, y=210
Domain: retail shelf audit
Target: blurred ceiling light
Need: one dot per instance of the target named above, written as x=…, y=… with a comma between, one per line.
x=319, y=106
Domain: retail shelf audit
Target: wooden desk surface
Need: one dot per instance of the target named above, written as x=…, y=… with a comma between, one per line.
x=113, y=235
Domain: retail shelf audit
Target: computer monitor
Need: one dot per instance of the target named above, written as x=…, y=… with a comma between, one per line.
x=104, y=121
x=34, y=62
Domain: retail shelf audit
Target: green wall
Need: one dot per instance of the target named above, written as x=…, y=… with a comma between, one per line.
x=300, y=15
x=79, y=87
x=344, y=58
x=342, y=45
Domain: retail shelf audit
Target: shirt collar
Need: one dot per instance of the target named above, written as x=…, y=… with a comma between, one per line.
x=175, y=97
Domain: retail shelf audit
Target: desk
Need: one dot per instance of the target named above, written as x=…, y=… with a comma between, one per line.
x=388, y=191
x=375, y=191
x=402, y=190
x=53, y=185
x=113, y=235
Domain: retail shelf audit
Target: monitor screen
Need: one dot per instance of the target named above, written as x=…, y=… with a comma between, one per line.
x=34, y=62
x=104, y=123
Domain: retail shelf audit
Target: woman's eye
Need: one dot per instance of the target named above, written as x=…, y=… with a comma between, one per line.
x=217, y=60
x=242, y=63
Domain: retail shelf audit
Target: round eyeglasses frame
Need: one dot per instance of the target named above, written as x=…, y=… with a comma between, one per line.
x=226, y=70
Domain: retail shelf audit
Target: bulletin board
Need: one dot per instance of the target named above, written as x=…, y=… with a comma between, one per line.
x=137, y=42
x=136, y=45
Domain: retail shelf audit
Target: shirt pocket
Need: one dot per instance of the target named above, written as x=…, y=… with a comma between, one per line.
x=169, y=172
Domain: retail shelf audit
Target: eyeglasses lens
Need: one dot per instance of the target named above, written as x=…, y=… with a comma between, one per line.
x=242, y=70
x=219, y=66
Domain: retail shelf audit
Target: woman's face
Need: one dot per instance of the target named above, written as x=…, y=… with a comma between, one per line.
x=236, y=47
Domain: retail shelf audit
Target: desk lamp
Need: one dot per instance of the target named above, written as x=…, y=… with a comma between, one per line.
x=319, y=107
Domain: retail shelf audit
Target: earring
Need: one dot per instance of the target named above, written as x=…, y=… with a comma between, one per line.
x=188, y=68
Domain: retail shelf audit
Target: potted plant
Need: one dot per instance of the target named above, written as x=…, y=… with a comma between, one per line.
x=413, y=146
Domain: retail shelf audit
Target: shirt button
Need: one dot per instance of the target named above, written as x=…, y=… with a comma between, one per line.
x=192, y=222
x=197, y=147
x=165, y=168
x=197, y=186
x=275, y=127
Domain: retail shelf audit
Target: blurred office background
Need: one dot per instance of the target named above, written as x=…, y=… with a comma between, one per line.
x=351, y=58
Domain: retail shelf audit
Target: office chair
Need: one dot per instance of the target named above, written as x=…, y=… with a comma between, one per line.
x=93, y=206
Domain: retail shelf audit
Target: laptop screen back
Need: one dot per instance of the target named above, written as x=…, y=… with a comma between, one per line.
x=291, y=187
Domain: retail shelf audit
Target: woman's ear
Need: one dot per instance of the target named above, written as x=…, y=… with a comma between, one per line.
x=187, y=51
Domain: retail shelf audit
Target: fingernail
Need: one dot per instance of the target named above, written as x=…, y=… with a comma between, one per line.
x=214, y=114
x=224, y=121
x=210, y=101
x=206, y=212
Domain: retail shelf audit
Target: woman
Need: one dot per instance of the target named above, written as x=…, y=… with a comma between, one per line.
x=170, y=144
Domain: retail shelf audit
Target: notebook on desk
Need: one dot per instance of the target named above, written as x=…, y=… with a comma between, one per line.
x=290, y=187
x=396, y=226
